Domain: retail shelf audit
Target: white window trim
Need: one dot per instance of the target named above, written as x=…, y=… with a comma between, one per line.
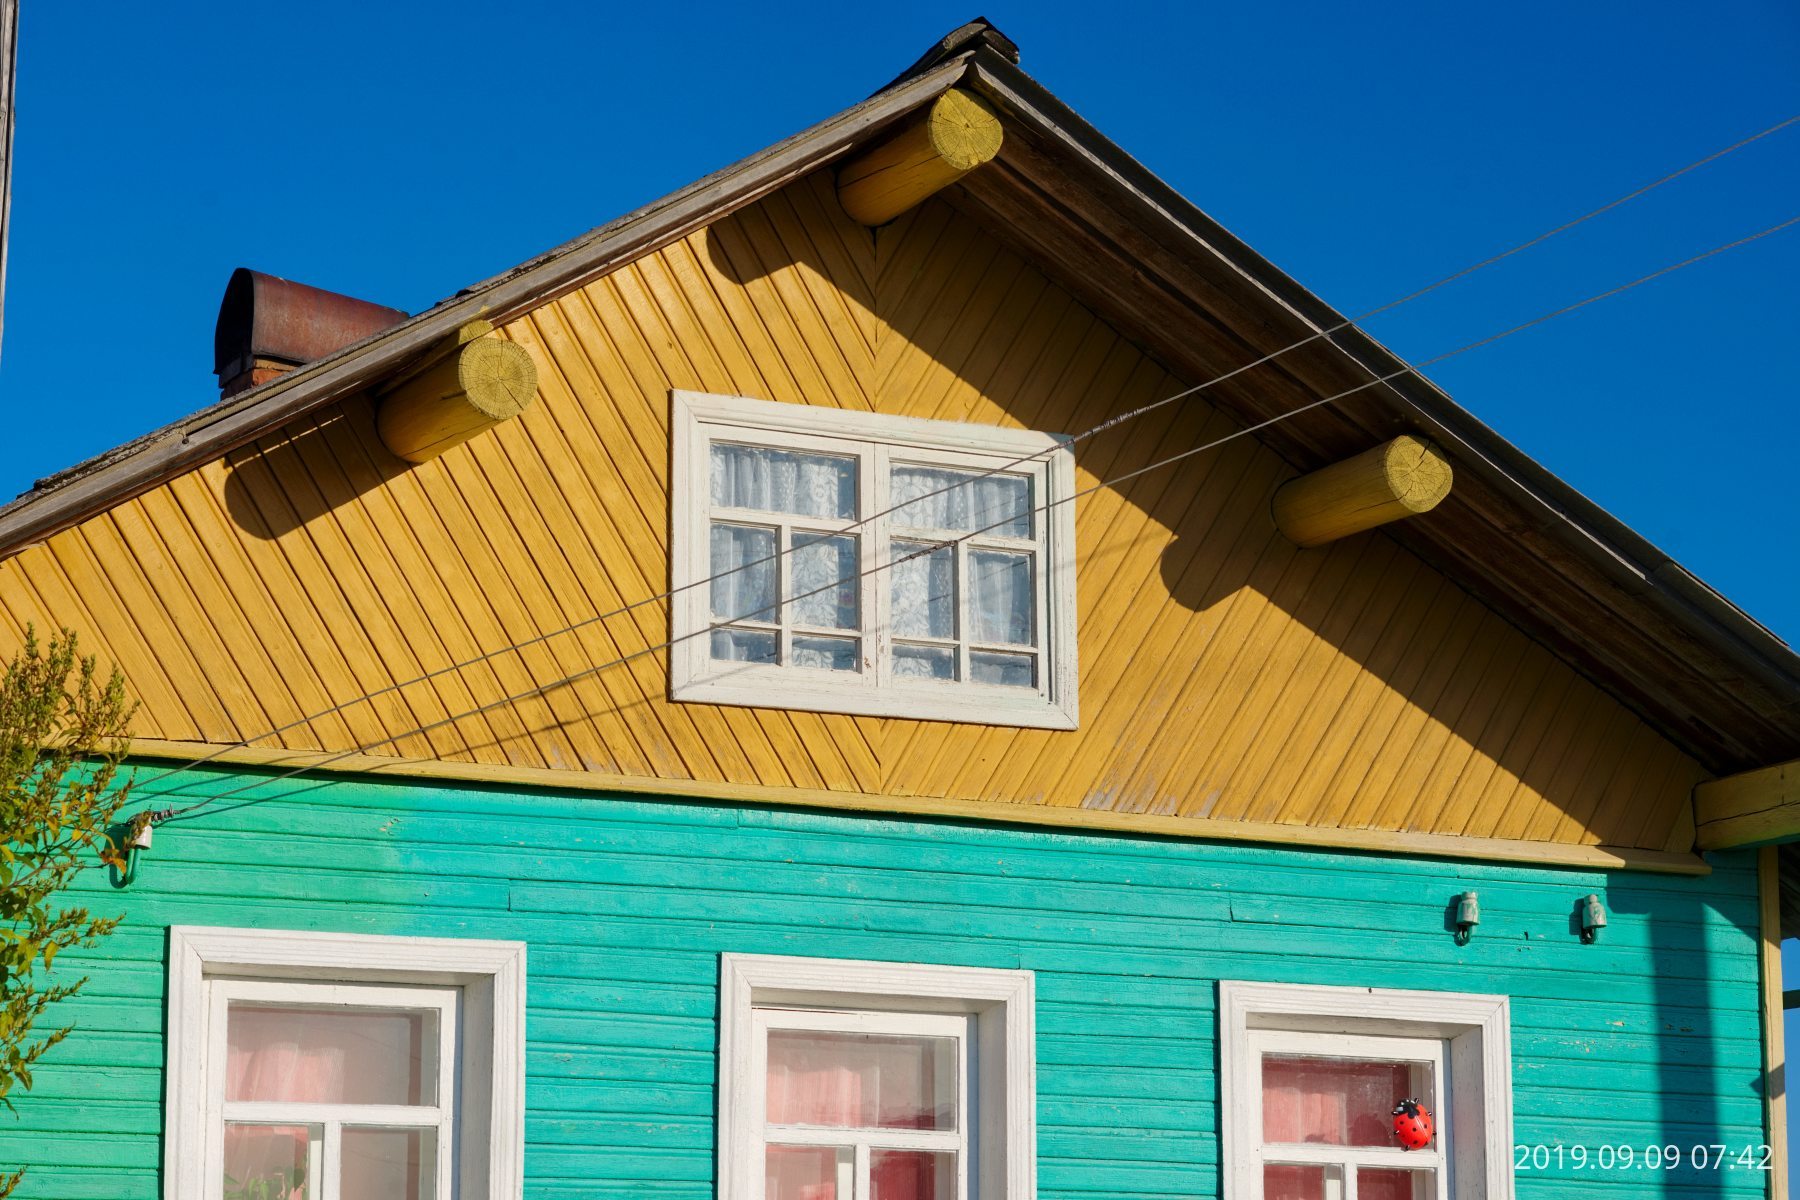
x=490, y=974
x=1001, y=1001
x=1478, y=1029
x=693, y=675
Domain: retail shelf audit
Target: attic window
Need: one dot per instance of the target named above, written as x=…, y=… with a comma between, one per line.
x=798, y=588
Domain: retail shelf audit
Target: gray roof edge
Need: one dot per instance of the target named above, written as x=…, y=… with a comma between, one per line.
x=1584, y=525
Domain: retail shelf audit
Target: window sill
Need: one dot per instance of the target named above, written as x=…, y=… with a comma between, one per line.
x=962, y=703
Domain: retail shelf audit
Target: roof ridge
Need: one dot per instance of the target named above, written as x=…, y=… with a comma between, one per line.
x=974, y=35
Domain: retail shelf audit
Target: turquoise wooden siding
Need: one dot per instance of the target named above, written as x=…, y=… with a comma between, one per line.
x=1649, y=1037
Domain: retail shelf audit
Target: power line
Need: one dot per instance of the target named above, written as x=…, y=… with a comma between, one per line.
x=1103, y=427
x=1408, y=369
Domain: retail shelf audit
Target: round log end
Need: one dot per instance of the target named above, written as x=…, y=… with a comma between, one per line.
x=1390, y=482
x=963, y=129
x=498, y=377
x=1418, y=474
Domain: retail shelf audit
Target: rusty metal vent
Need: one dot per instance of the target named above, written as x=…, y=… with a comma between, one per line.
x=277, y=323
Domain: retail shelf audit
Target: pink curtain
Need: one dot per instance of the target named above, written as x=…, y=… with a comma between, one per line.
x=1372, y=1184
x=810, y=1173
x=266, y=1162
x=1308, y=1183
x=384, y=1164
x=327, y=1056
x=800, y=1173
x=1332, y=1101
x=911, y=1175
x=855, y=1081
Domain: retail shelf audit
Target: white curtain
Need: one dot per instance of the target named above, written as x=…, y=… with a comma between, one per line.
x=780, y=481
x=743, y=570
x=1000, y=591
x=822, y=579
x=960, y=501
x=924, y=590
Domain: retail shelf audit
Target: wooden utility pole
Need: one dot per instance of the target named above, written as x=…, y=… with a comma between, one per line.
x=9, y=58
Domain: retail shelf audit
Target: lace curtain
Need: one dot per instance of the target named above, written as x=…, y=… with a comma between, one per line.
x=961, y=501
x=781, y=481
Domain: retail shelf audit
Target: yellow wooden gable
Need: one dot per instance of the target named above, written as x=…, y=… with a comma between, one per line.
x=1231, y=684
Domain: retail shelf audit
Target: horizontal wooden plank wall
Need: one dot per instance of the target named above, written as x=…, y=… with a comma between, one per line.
x=1648, y=1037
x=1225, y=674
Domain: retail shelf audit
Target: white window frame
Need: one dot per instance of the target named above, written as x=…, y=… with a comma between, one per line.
x=1465, y=1037
x=479, y=984
x=326, y=1160
x=1001, y=1120
x=697, y=418
x=864, y=1142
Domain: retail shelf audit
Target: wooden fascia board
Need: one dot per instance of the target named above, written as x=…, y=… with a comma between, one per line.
x=1734, y=652
x=1751, y=808
x=166, y=453
x=1422, y=845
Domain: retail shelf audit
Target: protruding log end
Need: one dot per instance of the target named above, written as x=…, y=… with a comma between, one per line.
x=957, y=133
x=481, y=383
x=1396, y=479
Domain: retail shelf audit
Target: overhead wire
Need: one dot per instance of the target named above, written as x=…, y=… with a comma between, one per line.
x=1107, y=425
x=175, y=814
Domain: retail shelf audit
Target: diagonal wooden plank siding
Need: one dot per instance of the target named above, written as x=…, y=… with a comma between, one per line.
x=1649, y=1037
x=1225, y=674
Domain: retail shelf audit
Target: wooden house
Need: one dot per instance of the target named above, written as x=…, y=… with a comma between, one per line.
x=698, y=715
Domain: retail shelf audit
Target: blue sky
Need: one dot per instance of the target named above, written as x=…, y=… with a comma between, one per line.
x=399, y=151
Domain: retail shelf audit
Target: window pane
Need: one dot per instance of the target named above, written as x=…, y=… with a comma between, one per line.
x=743, y=569
x=743, y=645
x=1000, y=597
x=961, y=501
x=807, y=485
x=825, y=653
x=924, y=662
x=269, y=1162
x=823, y=581
x=331, y=1055
x=388, y=1164
x=1010, y=670
x=1333, y=1101
x=924, y=589
x=1301, y=1183
x=855, y=1080
x=805, y=1173
x=912, y=1175
x=1386, y=1183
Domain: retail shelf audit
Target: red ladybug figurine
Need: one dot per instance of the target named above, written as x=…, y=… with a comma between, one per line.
x=1412, y=1125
